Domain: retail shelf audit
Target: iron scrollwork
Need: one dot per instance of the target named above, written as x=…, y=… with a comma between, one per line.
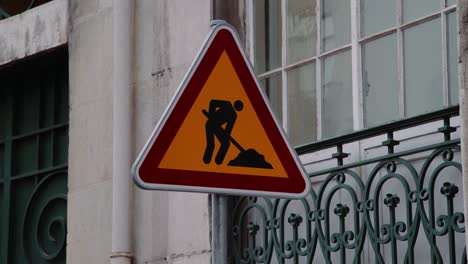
x=399, y=212
x=45, y=221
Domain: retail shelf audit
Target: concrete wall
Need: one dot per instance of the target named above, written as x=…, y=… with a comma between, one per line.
x=90, y=148
x=172, y=227
x=167, y=227
x=33, y=31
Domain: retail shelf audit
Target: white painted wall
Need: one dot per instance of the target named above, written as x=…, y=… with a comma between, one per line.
x=33, y=31
x=172, y=227
x=167, y=227
x=90, y=147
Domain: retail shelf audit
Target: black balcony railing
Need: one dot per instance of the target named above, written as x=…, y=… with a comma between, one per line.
x=398, y=202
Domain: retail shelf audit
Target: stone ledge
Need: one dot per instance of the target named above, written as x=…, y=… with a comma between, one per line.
x=36, y=30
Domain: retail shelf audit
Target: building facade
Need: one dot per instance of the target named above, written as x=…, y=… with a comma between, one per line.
x=368, y=91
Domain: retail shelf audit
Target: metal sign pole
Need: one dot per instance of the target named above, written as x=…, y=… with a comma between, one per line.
x=219, y=228
x=219, y=213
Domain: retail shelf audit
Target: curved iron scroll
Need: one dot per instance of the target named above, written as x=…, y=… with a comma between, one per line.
x=45, y=221
x=340, y=230
x=394, y=209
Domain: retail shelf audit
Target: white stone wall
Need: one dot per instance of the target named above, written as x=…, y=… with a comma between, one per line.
x=168, y=227
x=33, y=31
x=90, y=147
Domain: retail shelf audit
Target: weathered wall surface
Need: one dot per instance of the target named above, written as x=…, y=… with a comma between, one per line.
x=168, y=227
x=90, y=148
x=33, y=31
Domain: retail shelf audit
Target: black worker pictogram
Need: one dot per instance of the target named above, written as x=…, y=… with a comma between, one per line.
x=222, y=116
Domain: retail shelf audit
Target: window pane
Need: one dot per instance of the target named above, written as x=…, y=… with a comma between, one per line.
x=451, y=2
x=302, y=117
x=337, y=95
x=273, y=89
x=423, y=68
x=377, y=15
x=267, y=34
x=380, y=80
x=452, y=57
x=413, y=9
x=336, y=23
x=301, y=29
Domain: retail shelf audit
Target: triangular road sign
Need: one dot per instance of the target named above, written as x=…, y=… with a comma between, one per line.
x=219, y=134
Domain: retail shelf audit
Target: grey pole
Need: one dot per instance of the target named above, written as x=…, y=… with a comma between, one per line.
x=219, y=228
x=219, y=213
x=219, y=206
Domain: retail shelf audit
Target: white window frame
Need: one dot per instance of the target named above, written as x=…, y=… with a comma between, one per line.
x=355, y=46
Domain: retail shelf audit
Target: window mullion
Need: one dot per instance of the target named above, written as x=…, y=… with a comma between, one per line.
x=251, y=34
x=358, y=119
x=401, y=66
x=318, y=67
x=445, y=81
x=284, y=98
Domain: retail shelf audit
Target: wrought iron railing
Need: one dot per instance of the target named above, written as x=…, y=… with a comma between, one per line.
x=12, y=7
x=402, y=206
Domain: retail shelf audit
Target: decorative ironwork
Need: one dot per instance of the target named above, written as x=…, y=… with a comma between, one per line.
x=45, y=221
x=393, y=208
x=34, y=160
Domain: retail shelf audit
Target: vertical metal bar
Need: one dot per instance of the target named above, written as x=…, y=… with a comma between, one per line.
x=219, y=222
x=5, y=228
x=223, y=234
x=451, y=232
x=342, y=249
x=394, y=252
x=219, y=228
x=214, y=228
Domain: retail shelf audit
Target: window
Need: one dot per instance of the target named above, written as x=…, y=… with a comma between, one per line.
x=331, y=66
x=33, y=160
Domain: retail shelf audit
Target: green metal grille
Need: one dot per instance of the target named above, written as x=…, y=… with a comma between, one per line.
x=33, y=160
x=396, y=207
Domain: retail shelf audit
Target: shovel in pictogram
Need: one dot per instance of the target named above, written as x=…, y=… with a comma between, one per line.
x=246, y=158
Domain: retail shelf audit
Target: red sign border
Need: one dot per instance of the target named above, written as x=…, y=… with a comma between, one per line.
x=222, y=38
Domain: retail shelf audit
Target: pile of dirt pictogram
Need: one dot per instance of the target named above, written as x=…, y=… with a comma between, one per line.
x=250, y=158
